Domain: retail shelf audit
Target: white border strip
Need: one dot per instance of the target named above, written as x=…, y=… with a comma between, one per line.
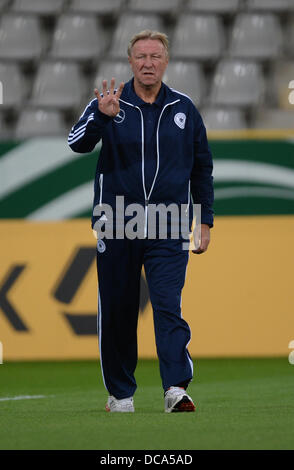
x=22, y=397
x=100, y=336
x=31, y=160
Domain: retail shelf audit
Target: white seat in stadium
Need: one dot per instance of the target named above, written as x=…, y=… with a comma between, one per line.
x=154, y=6
x=198, y=37
x=78, y=37
x=281, y=84
x=223, y=118
x=107, y=69
x=213, y=6
x=270, y=5
x=40, y=7
x=274, y=119
x=128, y=25
x=256, y=36
x=101, y=7
x=187, y=78
x=40, y=123
x=21, y=37
x=237, y=83
x=14, y=88
x=58, y=85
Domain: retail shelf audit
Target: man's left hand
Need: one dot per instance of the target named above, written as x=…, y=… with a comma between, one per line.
x=205, y=239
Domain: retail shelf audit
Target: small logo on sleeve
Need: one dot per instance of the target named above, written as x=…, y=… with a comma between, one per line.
x=101, y=247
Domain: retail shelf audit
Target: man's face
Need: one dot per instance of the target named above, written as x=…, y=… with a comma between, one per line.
x=148, y=61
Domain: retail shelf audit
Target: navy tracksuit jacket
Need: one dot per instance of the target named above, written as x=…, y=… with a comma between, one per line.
x=151, y=153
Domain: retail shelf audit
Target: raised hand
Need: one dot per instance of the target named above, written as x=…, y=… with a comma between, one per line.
x=108, y=103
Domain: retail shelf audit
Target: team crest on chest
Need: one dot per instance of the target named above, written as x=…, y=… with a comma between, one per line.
x=180, y=120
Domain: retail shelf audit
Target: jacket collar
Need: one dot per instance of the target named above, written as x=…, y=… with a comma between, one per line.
x=165, y=95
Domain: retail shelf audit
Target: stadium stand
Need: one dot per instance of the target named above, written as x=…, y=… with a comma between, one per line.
x=223, y=118
x=214, y=6
x=162, y=7
x=78, y=37
x=21, y=38
x=178, y=76
x=3, y=4
x=199, y=37
x=274, y=119
x=108, y=68
x=237, y=83
x=289, y=35
x=58, y=85
x=4, y=131
x=270, y=5
x=128, y=25
x=14, y=86
x=41, y=7
x=256, y=36
x=234, y=58
x=279, y=84
x=103, y=7
x=36, y=122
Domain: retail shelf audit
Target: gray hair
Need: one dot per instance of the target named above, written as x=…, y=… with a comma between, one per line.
x=148, y=34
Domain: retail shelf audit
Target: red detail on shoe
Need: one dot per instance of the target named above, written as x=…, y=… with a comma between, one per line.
x=184, y=405
x=107, y=408
x=188, y=406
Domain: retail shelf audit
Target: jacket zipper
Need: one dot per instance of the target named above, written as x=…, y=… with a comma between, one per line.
x=101, y=188
x=147, y=197
x=189, y=197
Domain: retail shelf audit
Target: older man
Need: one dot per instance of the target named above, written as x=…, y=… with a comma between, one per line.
x=154, y=151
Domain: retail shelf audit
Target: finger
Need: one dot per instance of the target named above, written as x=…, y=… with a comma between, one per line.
x=198, y=252
x=119, y=91
x=112, y=83
x=97, y=94
x=115, y=102
x=204, y=244
x=104, y=87
x=202, y=248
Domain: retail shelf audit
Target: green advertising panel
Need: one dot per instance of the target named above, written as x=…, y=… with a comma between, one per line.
x=42, y=179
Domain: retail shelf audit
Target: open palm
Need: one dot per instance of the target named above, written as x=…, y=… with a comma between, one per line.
x=108, y=101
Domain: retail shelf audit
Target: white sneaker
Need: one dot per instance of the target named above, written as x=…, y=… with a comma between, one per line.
x=176, y=399
x=126, y=405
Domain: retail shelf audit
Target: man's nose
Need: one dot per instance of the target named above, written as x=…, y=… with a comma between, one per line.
x=148, y=62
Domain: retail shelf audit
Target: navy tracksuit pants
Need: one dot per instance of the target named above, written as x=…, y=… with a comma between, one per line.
x=119, y=266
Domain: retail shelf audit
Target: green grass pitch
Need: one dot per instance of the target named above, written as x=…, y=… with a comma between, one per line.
x=241, y=404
